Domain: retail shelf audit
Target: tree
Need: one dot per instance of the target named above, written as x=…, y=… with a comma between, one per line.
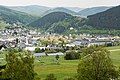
x=19, y=65
x=50, y=77
x=96, y=65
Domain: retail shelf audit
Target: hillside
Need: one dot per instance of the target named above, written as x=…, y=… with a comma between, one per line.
x=109, y=19
x=60, y=9
x=49, y=19
x=31, y=9
x=93, y=10
x=68, y=26
x=59, y=22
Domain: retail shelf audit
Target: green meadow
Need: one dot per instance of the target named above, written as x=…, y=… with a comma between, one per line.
x=65, y=68
x=113, y=47
x=115, y=56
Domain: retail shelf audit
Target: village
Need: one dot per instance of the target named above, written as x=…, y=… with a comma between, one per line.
x=20, y=37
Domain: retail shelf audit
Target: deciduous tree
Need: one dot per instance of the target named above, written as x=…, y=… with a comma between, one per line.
x=96, y=65
x=19, y=65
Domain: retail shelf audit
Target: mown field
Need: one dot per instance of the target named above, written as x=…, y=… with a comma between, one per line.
x=66, y=68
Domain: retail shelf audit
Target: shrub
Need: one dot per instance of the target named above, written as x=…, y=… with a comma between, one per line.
x=37, y=50
x=71, y=55
x=57, y=57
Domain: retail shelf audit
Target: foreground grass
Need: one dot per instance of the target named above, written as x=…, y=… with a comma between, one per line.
x=64, y=69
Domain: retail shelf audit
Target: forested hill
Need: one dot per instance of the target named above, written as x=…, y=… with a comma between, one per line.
x=12, y=16
x=109, y=19
x=59, y=22
x=49, y=19
x=60, y=9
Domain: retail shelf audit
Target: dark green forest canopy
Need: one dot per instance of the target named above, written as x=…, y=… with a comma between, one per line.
x=109, y=19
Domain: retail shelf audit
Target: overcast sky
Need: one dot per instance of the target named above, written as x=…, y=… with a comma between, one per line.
x=61, y=3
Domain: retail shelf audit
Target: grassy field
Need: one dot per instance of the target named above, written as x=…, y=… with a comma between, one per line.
x=115, y=56
x=66, y=68
x=113, y=47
